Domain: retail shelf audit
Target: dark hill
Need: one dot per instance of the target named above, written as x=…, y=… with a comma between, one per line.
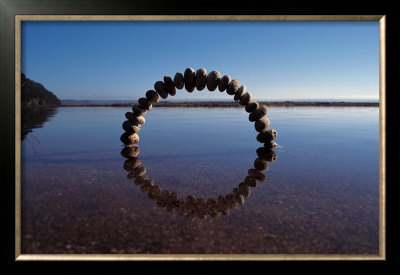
x=35, y=94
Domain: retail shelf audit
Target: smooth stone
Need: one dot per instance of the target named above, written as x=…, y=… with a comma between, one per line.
x=130, y=127
x=179, y=82
x=266, y=135
x=222, y=204
x=230, y=200
x=144, y=104
x=211, y=205
x=257, y=175
x=138, y=172
x=244, y=190
x=261, y=165
x=245, y=98
x=159, y=87
x=258, y=113
x=164, y=194
x=261, y=124
x=154, y=192
x=139, y=180
x=130, y=176
x=235, y=192
x=223, y=83
x=152, y=96
x=238, y=197
x=146, y=186
x=239, y=92
x=225, y=211
x=250, y=181
x=201, y=79
x=161, y=203
x=232, y=87
x=137, y=111
x=139, y=120
x=132, y=163
x=235, y=204
x=270, y=144
x=213, y=79
x=130, y=116
x=151, y=195
x=251, y=106
x=190, y=79
x=263, y=151
x=190, y=199
x=130, y=152
x=169, y=85
x=266, y=154
x=127, y=138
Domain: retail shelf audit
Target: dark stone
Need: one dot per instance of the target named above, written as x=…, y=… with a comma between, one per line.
x=261, y=165
x=139, y=120
x=251, y=106
x=132, y=163
x=144, y=104
x=250, y=181
x=223, y=83
x=270, y=144
x=130, y=127
x=169, y=85
x=129, y=152
x=245, y=98
x=232, y=87
x=152, y=96
x=239, y=92
x=244, y=190
x=146, y=186
x=137, y=111
x=257, y=175
x=190, y=79
x=159, y=86
x=201, y=79
x=266, y=136
x=137, y=172
x=258, y=113
x=213, y=79
x=130, y=116
x=129, y=139
x=179, y=81
x=266, y=154
x=261, y=124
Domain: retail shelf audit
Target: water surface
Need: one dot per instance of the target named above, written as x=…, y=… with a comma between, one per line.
x=321, y=194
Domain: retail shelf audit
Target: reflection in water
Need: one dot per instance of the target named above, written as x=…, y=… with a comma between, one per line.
x=192, y=207
x=34, y=117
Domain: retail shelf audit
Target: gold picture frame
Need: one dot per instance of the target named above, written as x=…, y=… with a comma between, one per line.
x=200, y=257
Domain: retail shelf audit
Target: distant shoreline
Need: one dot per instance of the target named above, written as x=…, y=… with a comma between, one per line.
x=213, y=104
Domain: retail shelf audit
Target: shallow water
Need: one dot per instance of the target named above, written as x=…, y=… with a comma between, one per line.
x=321, y=194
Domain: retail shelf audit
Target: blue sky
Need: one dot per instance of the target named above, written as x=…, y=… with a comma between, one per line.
x=275, y=60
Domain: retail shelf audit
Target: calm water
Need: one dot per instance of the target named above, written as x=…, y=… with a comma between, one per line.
x=321, y=194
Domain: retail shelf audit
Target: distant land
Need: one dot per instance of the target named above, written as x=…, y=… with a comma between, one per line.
x=228, y=100
x=123, y=103
x=35, y=94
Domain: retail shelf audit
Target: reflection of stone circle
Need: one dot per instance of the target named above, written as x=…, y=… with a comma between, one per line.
x=191, y=207
x=192, y=80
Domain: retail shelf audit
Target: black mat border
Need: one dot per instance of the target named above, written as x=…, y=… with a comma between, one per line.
x=9, y=8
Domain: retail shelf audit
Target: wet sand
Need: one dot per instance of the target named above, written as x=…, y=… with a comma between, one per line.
x=101, y=212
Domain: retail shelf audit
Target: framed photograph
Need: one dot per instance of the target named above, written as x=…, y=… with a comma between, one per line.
x=212, y=137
